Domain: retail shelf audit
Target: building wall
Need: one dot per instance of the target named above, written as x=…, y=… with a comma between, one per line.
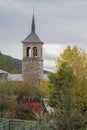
x=3, y=76
x=32, y=67
x=31, y=45
x=32, y=70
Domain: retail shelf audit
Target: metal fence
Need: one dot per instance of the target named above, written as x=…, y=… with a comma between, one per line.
x=5, y=126
x=18, y=125
x=34, y=126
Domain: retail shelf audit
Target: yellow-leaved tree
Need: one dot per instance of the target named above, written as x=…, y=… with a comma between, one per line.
x=77, y=59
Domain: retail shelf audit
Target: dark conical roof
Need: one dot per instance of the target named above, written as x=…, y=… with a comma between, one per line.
x=32, y=37
x=33, y=25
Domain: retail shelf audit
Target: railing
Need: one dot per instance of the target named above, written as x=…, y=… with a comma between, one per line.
x=18, y=125
x=5, y=126
x=34, y=126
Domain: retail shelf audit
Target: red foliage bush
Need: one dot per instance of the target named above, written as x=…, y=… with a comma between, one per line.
x=36, y=107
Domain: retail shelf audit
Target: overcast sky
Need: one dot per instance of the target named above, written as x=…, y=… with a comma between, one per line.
x=59, y=23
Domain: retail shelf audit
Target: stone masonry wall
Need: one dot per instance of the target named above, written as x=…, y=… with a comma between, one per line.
x=32, y=70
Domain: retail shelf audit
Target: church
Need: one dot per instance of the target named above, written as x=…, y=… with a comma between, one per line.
x=32, y=62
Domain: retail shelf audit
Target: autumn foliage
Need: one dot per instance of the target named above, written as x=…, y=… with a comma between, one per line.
x=18, y=97
x=69, y=97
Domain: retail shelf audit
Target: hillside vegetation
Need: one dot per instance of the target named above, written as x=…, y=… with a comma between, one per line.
x=12, y=65
x=9, y=64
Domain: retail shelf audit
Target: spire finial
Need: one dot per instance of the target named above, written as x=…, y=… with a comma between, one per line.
x=33, y=9
x=33, y=23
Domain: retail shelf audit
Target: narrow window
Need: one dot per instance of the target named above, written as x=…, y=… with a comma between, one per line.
x=35, y=52
x=28, y=52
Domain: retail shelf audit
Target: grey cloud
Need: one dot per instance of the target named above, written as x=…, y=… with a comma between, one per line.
x=49, y=57
x=57, y=21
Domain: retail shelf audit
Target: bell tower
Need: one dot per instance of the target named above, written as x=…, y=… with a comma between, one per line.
x=32, y=62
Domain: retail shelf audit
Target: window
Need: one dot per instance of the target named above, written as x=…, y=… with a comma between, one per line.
x=34, y=51
x=28, y=52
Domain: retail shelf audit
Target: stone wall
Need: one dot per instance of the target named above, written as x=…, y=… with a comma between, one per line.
x=32, y=70
x=3, y=76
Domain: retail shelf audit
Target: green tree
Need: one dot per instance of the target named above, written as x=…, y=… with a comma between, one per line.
x=17, y=96
x=16, y=70
x=67, y=116
x=9, y=64
x=46, y=88
x=7, y=104
x=62, y=80
x=1, y=61
x=77, y=59
x=3, y=106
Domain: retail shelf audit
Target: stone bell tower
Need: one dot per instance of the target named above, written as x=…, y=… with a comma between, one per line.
x=32, y=63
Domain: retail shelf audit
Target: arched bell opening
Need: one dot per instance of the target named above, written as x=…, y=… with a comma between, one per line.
x=28, y=52
x=34, y=51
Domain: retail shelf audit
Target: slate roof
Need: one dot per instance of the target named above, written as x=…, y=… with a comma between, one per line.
x=15, y=77
x=3, y=72
x=18, y=77
x=32, y=37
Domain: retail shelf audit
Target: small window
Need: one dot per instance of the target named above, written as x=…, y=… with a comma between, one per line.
x=28, y=52
x=35, y=52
